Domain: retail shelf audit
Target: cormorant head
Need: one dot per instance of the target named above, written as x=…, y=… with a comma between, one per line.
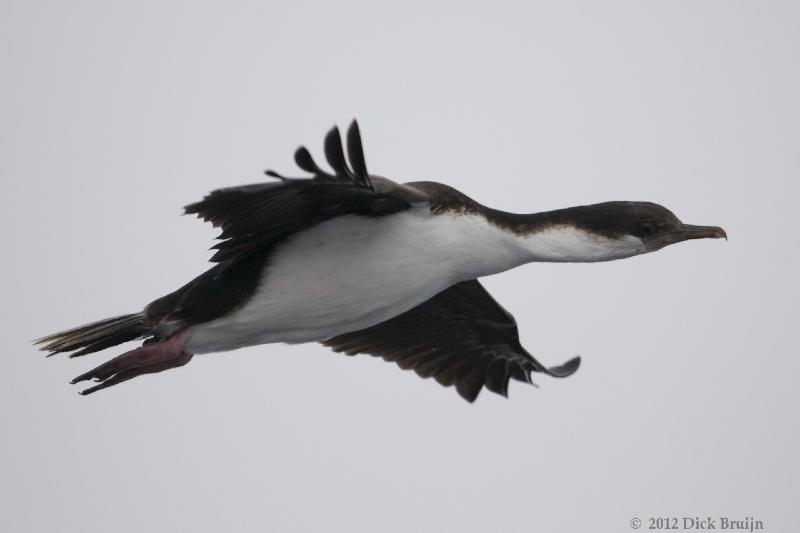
x=655, y=226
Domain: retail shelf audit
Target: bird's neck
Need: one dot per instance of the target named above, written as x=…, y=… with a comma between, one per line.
x=559, y=236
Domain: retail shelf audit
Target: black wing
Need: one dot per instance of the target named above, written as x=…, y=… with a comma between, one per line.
x=461, y=336
x=254, y=217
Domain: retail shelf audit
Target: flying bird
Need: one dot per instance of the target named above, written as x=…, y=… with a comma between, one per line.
x=363, y=264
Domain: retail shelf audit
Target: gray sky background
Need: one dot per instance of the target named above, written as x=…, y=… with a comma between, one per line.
x=114, y=115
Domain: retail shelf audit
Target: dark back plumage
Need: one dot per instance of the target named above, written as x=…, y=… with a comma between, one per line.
x=255, y=218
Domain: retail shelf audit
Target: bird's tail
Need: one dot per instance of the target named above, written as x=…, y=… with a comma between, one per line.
x=97, y=335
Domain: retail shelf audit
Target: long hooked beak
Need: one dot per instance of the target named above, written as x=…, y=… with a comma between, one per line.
x=684, y=233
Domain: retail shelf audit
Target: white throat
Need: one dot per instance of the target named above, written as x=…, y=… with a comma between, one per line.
x=570, y=244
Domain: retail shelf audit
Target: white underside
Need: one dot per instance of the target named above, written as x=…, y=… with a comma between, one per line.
x=353, y=272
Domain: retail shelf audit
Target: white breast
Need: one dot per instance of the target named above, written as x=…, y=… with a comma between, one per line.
x=353, y=272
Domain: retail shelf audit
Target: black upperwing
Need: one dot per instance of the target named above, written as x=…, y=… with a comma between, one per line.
x=255, y=218
x=461, y=336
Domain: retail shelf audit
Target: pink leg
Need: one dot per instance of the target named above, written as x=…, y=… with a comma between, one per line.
x=146, y=359
x=125, y=375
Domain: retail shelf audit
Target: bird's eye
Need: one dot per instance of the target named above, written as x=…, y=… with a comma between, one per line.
x=648, y=228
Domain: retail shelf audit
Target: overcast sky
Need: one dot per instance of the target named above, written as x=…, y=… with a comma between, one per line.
x=115, y=115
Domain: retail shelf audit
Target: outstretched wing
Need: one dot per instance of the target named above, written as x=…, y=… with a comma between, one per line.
x=461, y=337
x=253, y=217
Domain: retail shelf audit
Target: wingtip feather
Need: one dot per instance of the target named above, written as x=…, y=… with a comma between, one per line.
x=566, y=369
